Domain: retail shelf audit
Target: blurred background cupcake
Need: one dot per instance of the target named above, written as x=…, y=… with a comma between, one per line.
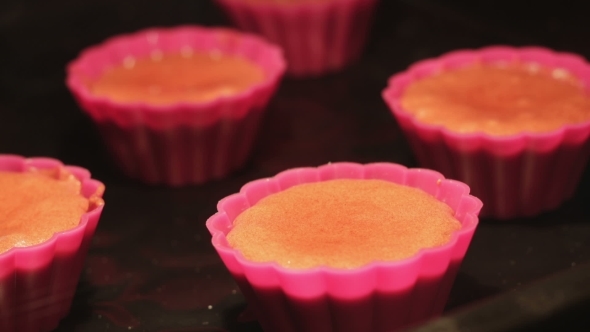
x=49, y=213
x=318, y=36
x=346, y=247
x=177, y=106
x=513, y=123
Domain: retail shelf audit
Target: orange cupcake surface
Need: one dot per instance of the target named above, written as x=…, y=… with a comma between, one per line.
x=163, y=79
x=35, y=205
x=342, y=223
x=499, y=99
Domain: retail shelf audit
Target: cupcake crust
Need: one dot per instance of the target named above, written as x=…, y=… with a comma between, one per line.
x=343, y=224
x=35, y=205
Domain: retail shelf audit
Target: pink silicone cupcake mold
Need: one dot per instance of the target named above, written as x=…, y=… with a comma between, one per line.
x=378, y=297
x=317, y=36
x=183, y=143
x=37, y=283
x=515, y=176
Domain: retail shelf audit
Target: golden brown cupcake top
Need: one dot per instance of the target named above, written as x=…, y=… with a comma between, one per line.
x=189, y=76
x=35, y=205
x=499, y=99
x=342, y=223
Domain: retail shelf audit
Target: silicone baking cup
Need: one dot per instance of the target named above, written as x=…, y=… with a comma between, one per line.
x=381, y=296
x=183, y=143
x=515, y=176
x=37, y=283
x=318, y=36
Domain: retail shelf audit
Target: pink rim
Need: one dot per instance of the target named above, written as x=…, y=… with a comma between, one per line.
x=317, y=37
x=507, y=145
x=49, y=270
x=94, y=60
x=325, y=281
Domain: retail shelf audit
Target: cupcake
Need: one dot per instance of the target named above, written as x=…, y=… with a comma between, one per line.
x=345, y=247
x=512, y=123
x=318, y=36
x=177, y=106
x=49, y=213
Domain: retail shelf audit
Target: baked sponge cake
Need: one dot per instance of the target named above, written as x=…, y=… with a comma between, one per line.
x=355, y=222
x=48, y=215
x=499, y=99
x=345, y=246
x=181, y=77
x=512, y=123
x=177, y=106
x=35, y=205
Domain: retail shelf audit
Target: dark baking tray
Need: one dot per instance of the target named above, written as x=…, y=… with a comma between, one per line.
x=151, y=266
x=556, y=303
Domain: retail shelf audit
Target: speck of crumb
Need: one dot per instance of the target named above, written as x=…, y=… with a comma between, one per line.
x=186, y=51
x=129, y=62
x=209, y=307
x=156, y=55
x=215, y=55
x=560, y=73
